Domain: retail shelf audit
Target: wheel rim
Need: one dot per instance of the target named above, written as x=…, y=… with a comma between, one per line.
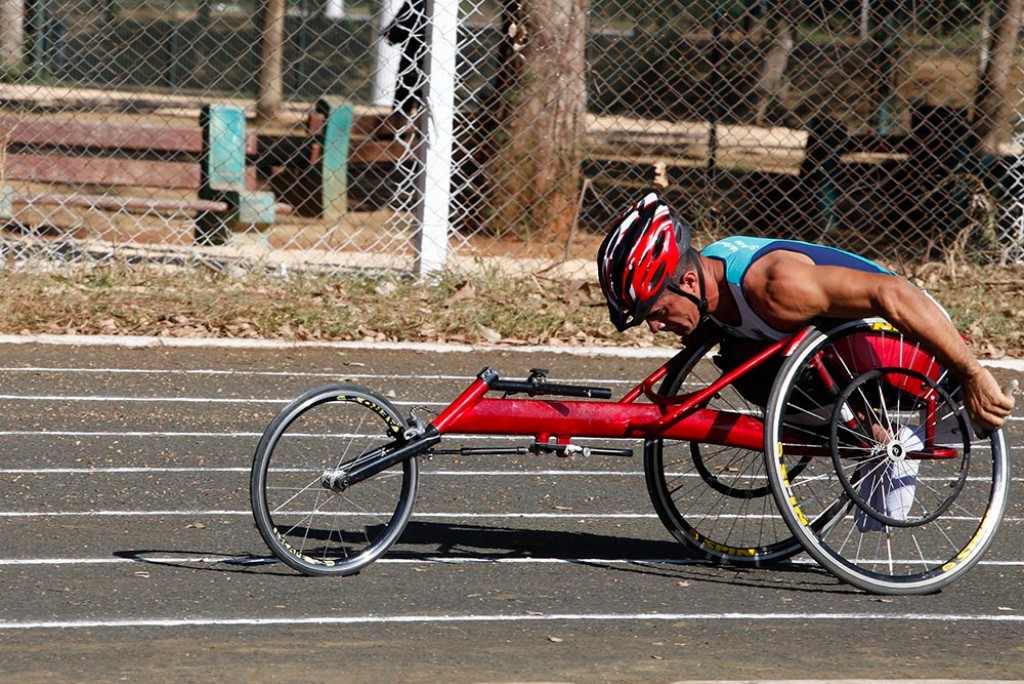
x=954, y=505
x=874, y=464
x=307, y=523
x=715, y=499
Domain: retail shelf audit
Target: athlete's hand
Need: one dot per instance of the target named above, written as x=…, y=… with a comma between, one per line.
x=987, y=404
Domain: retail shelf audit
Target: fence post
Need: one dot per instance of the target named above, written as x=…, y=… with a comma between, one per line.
x=385, y=70
x=1012, y=209
x=6, y=201
x=436, y=122
x=334, y=9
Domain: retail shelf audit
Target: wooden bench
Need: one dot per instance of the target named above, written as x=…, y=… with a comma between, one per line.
x=313, y=173
x=209, y=158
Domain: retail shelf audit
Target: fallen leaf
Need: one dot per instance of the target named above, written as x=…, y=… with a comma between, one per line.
x=463, y=292
x=489, y=334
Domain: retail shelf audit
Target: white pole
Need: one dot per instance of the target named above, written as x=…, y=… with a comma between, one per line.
x=335, y=9
x=385, y=72
x=436, y=127
x=1015, y=200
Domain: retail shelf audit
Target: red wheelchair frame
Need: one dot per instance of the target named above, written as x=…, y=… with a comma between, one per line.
x=679, y=417
x=859, y=442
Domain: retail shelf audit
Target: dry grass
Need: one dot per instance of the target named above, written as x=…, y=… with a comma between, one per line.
x=987, y=303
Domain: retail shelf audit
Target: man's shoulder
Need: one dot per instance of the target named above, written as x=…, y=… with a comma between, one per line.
x=741, y=242
x=736, y=244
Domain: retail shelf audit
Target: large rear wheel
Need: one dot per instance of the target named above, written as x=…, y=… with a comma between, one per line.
x=896, y=494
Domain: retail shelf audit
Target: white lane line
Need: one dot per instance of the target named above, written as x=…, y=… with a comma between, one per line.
x=143, y=341
x=182, y=400
x=424, y=473
x=240, y=469
x=341, y=373
x=248, y=513
x=161, y=400
x=571, y=515
x=334, y=376
x=233, y=400
x=377, y=619
x=132, y=341
x=427, y=560
x=267, y=560
x=125, y=470
x=140, y=433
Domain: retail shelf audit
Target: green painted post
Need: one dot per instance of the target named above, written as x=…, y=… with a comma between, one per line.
x=224, y=149
x=222, y=177
x=334, y=140
x=40, y=17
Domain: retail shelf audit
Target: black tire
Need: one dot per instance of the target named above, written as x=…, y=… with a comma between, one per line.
x=316, y=529
x=714, y=499
x=901, y=497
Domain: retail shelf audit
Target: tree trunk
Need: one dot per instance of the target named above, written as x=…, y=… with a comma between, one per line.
x=268, y=100
x=532, y=129
x=12, y=32
x=991, y=113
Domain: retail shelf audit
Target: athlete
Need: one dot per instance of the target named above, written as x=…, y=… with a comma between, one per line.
x=757, y=289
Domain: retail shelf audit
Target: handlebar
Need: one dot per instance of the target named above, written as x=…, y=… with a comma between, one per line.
x=535, y=385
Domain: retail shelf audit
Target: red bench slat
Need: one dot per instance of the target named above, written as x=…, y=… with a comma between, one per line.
x=50, y=132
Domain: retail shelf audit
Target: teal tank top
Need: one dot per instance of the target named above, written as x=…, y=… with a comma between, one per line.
x=738, y=253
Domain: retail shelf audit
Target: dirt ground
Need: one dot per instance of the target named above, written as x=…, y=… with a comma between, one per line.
x=986, y=303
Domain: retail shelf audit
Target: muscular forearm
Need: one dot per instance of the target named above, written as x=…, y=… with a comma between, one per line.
x=916, y=314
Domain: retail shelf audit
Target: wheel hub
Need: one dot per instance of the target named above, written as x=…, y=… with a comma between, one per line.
x=895, y=450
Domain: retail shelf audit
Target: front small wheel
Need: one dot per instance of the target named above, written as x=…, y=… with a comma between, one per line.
x=304, y=516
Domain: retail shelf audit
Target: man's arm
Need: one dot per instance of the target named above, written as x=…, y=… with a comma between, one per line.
x=788, y=289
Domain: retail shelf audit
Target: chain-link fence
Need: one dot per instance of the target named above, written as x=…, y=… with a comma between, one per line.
x=414, y=134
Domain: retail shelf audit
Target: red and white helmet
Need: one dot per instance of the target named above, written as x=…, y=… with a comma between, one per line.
x=638, y=259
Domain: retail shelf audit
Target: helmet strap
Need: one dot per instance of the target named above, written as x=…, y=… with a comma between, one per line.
x=702, y=301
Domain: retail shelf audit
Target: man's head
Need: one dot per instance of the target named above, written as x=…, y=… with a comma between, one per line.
x=644, y=255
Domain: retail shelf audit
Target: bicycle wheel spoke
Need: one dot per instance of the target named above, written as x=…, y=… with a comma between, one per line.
x=715, y=499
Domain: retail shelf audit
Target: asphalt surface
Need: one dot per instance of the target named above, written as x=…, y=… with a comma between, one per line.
x=128, y=550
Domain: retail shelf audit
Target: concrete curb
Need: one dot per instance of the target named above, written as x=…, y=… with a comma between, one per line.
x=140, y=342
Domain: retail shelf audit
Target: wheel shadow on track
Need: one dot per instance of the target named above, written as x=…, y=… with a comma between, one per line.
x=458, y=542
x=216, y=561
x=455, y=542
